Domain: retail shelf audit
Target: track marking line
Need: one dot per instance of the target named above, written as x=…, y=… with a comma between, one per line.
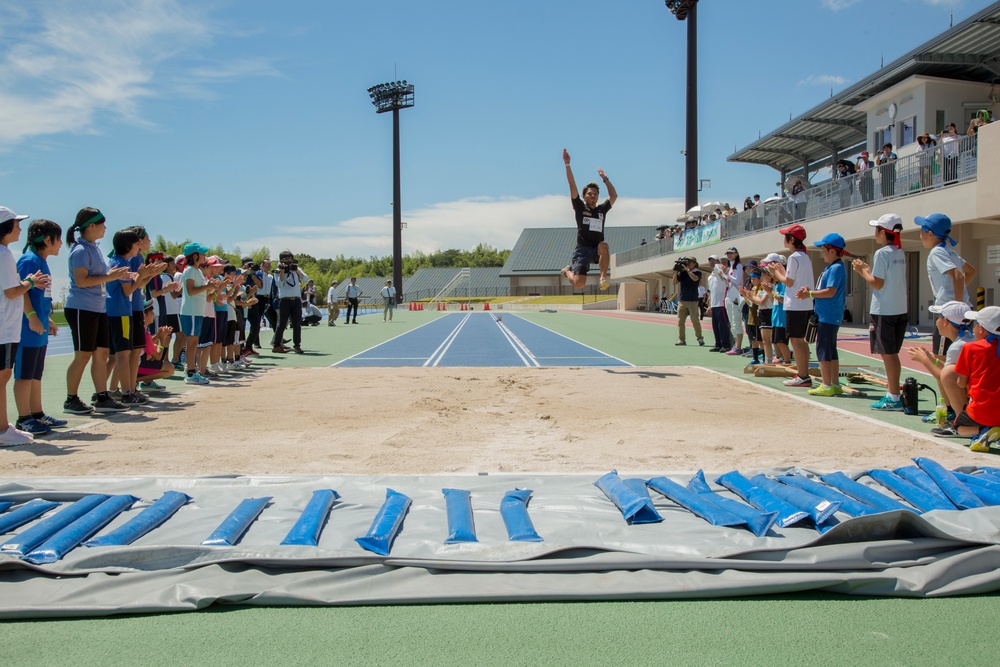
x=600, y=352
x=443, y=347
x=527, y=357
x=384, y=342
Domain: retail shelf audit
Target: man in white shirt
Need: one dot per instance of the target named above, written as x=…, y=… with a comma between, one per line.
x=332, y=307
x=388, y=301
x=717, y=302
x=353, y=294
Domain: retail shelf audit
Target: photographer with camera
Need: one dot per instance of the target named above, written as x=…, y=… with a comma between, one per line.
x=687, y=275
x=289, y=279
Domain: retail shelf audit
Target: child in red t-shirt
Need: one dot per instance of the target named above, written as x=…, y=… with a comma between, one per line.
x=978, y=368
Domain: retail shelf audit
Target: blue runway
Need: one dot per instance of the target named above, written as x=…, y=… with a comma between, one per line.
x=481, y=339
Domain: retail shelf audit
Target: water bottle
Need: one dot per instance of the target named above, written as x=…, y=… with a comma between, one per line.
x=941, y=413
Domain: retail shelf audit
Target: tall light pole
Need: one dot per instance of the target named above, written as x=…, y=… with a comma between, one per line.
x=394, y=96
x=687, y=10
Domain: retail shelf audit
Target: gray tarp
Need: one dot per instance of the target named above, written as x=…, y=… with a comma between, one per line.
x=588, y=552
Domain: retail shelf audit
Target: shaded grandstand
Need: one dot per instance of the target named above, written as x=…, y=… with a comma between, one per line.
x=428, y=282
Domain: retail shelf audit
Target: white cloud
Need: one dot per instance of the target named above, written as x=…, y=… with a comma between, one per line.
x=66, y=63
x=837, y=5
x=823, y=80
x=460, y=224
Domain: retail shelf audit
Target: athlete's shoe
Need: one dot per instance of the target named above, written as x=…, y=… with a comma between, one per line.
x=733, y=352
x=947, y=432
x=52, y=422
x=197, y=378
x=701, y=342
x=75, y=406
x=13, y=437
x=32, y=427
x=983, y=442
x=823, y=390
x=798, y=381
x=680, y=342
x=152, y=385
x=604, y=284
x=131, y=399
x=886, y=404
x=109, y=405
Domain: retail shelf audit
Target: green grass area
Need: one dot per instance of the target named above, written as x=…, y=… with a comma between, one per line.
x=569, y=299
x=58, y=317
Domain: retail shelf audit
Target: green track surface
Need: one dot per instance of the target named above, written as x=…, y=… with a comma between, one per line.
x=794, y=629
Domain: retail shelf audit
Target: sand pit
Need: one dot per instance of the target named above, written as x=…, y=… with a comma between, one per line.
x=372, y=421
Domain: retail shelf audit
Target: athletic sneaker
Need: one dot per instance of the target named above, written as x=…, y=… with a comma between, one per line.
x=13, y=437
x=680, y=342
x=52, y=422
x=246, y=361
x=983, y=442
x=753, y=364
x=604, y=284
x=932, y=417
x=32, y=426
x=733, y=352
x=886, y=404
x=823, y=390
x=75, y=406
x=209, y=374
x=152, y=385
x=798, y=381
x=109, y=405
x=947, y=432
x=178, y=365
x=197, y=378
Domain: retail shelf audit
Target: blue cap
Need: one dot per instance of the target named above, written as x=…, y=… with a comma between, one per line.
x=937, y=224
x=833, y=239
x=192, y=248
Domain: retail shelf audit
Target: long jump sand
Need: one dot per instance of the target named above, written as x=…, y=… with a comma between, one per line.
x=371, y=421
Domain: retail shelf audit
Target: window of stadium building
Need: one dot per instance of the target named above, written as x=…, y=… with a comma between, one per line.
x=908, y=131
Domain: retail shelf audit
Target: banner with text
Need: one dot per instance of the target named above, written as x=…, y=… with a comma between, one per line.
x=699, y=236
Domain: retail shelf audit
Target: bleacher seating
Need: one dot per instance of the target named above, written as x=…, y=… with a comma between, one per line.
x=428, y=282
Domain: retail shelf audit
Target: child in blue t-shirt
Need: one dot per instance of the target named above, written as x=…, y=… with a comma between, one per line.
x=44, y=241
x=829, y=298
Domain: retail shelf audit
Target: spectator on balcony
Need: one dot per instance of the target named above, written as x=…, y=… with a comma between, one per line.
x=642, y=242
x=747, y=204
x=798, y=196
x=950, y=142
x=982, y=118
x=844, y=173
x=887, y=171
x=866, y=184
x=926, y=145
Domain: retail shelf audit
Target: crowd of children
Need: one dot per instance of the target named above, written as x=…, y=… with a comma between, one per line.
x=781, y=308
x=122, y=311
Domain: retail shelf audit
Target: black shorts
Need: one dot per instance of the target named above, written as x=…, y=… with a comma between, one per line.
x=779, y=335
x=221, y=322
x=764, y=317
x=796, y=321
x=138, y=330
x=963, y=419
x=29, y=362
x=173, y=321
x=939, y=343
x=88, y=328
x=583, y=257
x=8, y=353
x=826, y=342
x=207, y=335
x=119, y=333
x=231, y=327
x=886, y=333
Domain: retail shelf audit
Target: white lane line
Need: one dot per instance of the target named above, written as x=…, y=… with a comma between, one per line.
x=443, y=347
x=601, y=353
x=384, y=342
x=527, y=358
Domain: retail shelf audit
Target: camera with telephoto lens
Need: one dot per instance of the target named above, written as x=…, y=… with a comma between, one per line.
x=288, y=267
x=682, y=264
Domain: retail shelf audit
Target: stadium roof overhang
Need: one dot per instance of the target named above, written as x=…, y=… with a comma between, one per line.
x=969, y=51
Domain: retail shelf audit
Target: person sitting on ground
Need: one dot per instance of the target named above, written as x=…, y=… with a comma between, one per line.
x=978, y=369
x=591, y=248
x=153, y=362
x=311, y=315
x=951, y=323
x=829, y=299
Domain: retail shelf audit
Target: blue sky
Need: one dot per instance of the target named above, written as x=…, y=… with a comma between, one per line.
x=248, y=123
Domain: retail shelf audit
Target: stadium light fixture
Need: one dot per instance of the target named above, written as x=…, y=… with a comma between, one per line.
x=393, y=96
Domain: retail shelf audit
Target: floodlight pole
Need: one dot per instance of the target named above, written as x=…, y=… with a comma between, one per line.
x=687, y=10
x=394, y=96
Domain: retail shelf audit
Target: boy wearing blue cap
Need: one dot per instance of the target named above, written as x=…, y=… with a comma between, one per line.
x=948, y=272
x=828, y=303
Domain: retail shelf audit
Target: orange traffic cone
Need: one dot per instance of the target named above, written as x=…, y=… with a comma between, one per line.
x=486, y=306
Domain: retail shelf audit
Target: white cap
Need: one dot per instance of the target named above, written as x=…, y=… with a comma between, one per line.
x=988, y=318
x=7, y=214
x=889, y=222
x=774, y=257
x=953, y=311
x=715, y=257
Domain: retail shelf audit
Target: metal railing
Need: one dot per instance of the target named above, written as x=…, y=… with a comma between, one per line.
x=942, y=166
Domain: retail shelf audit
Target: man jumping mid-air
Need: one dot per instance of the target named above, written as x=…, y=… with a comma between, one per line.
x=591, y=247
